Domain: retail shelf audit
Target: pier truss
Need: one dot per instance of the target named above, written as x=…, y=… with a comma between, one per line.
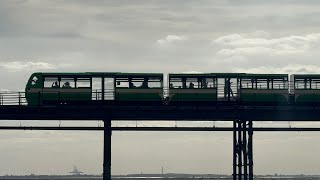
x=242, y=150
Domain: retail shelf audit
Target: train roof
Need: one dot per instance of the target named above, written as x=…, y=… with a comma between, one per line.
x=140, y=74
x=303, y=76
x=228, y=75
x=177, y=75
x=98, y=74
x=264, y=75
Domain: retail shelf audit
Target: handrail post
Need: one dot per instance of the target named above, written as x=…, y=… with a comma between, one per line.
x=19, y=96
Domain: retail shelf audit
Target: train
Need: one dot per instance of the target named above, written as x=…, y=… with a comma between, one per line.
x=51, y=88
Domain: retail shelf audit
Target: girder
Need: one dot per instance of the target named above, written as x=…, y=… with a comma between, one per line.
x=162, y=112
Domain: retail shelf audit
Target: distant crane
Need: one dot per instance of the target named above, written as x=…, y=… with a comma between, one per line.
x=76, y=172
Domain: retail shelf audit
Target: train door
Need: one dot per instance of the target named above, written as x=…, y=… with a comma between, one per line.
x=96, y=86
x=234, y=89
x=228, y=89
x=109, y=88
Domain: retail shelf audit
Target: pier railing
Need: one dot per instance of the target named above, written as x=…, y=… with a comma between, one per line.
x=12, y=98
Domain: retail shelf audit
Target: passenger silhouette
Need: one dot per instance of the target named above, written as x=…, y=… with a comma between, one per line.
x=55, y=85
x=66, y=85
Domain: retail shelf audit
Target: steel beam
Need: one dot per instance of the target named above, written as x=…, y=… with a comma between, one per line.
x=161, y=112
x=228, y=129
x=107, y=131
x=250, y=150
x=242, y=150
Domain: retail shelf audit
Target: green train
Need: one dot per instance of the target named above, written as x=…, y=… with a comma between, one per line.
x=93, y=87
x=148, y=88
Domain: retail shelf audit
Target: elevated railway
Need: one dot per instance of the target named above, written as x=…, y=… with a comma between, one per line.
x=13, y=106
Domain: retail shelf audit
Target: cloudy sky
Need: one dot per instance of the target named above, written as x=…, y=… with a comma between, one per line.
x=156, y=36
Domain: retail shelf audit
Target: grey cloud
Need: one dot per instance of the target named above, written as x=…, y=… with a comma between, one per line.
x=122, y=36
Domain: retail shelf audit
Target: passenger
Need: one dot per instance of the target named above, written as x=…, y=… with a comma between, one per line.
x=132, y=85
x=191, y=85
x=55, y=85
x=66, y=85
x=204, y=84
x=144, y=84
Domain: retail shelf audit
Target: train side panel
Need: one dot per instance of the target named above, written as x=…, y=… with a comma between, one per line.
x=279, y=96
x=201, y=95
x=137, y=94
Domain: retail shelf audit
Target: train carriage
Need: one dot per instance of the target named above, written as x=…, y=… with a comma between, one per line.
x=305, y=88
x=93, y=87
x=192, y=87
x=139, y=87
x=58, y=88
x=264, y=88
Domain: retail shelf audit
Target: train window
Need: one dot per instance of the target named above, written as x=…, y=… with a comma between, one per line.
x=247, y=83
x=280, y=83
x=175, y=83
x=208, y=83
x=83, y=83
x=122, y=82
x=315, y=84
x=67, y=83
x=300, y=84
x=192, y=83
x=262, y=84
x=51, y=82
x=139, y=83
x=155, y=82
x=307, y=83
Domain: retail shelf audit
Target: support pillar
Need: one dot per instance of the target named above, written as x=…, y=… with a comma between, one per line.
x=242, y=150
x=107, y=149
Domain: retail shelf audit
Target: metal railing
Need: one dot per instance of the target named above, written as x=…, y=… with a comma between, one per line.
x=13, y=98
x=19, y=98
